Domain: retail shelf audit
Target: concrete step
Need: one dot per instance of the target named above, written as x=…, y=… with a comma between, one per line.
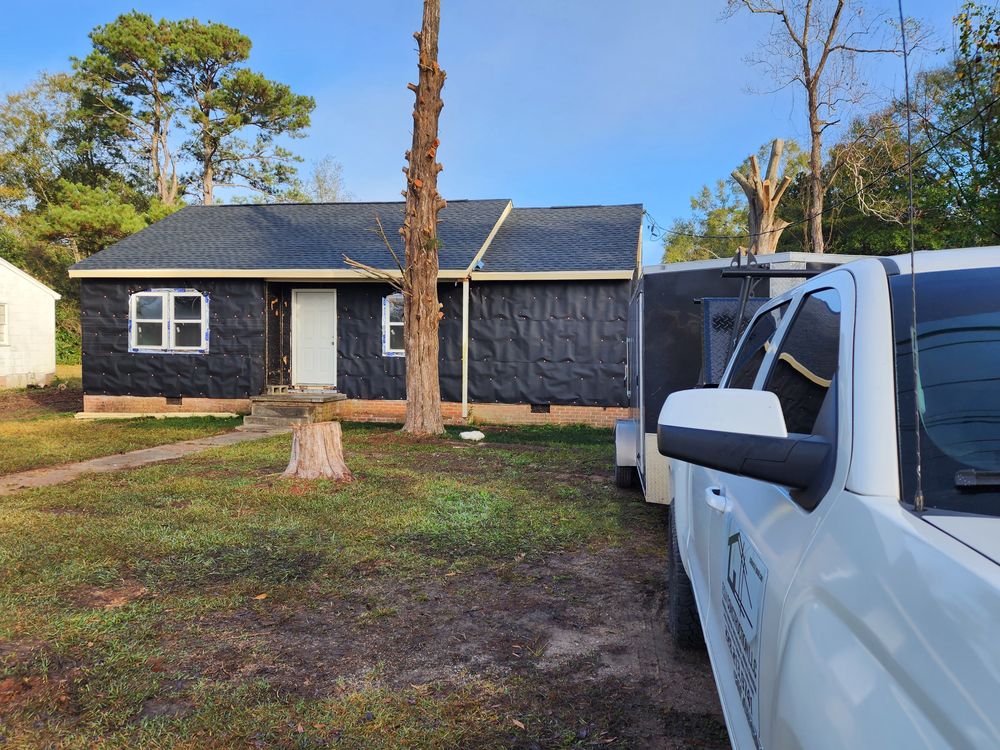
x=281, y=410
x=258, y=421
x=321, y=397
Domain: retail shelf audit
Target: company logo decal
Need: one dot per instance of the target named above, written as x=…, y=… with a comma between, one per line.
x=742, y=606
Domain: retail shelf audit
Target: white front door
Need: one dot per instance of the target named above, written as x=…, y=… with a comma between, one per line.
x=314, y=337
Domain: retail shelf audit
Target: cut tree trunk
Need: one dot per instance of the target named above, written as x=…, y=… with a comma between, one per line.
x=318, y=453
x=421, y=308
x=763, y=196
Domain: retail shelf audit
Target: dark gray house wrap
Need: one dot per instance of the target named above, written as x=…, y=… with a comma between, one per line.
x=219, y=303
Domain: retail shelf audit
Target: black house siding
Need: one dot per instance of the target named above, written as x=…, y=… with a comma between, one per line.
x=232, y=368
x=537, y=342
x=548, y=342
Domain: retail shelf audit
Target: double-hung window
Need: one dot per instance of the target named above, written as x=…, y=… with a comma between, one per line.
x=4, y=336
x=392, y=326
x=168, y=320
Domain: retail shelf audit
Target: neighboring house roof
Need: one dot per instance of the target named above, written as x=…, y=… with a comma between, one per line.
x=479, y=236
x=566, y=238
x=6, y=266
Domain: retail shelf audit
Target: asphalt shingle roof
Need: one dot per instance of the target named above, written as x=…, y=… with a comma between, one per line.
x=318, y=235
x=571, y=238
x=293, y=235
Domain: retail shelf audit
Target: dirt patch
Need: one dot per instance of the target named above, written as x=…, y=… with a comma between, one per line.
x=273, y=558
x=23, y=404
x=94, y=597
x=580, y=640
x=15, y=690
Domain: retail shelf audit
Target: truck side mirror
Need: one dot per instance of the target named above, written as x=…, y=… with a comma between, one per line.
x=740, y=432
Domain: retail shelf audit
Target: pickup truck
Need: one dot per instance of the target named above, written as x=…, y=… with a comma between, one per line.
x=835, y=515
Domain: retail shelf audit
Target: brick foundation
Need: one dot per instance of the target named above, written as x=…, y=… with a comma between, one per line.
x=159, y=405
x=359, y=410
x=377, y=410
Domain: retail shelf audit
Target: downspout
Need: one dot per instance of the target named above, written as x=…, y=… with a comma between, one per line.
x=465, y=348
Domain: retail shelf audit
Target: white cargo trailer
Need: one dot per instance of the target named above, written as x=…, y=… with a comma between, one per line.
x=683, y=320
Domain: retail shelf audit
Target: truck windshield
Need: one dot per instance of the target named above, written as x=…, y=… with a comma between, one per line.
x=957, y=387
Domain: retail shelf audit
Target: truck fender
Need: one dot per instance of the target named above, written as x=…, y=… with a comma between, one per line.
x=680, y=504
x=861, y=701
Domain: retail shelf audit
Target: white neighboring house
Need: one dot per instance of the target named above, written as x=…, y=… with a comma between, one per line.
x=27, y=329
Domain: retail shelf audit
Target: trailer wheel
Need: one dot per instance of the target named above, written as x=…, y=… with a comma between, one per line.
x=682, y=610
x=624, y=476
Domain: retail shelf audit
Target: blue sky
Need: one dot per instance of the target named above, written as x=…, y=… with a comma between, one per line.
x=547, y=102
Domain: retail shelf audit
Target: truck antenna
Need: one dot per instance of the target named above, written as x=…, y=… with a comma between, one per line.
x=918, y=495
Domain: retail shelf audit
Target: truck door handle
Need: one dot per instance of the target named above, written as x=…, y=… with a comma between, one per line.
x=715, y=498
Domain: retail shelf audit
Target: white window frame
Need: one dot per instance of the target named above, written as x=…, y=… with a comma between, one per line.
x=168, y=336
x=387, y=302
x=4, y=324
x=202, y=345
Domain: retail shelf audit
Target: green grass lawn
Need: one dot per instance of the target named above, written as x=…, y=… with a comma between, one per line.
x=453, y=596
x=37, y=429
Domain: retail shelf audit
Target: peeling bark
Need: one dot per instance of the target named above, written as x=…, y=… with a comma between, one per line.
x=421, y=308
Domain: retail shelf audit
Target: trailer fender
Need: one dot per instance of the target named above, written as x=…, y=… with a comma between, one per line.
x=626, y=442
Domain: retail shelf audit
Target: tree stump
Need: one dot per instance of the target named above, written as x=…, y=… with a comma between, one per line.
x=318, y=452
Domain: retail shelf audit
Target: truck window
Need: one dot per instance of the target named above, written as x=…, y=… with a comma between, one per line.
x=956, y=389
x=755, y=346
x=802, y=376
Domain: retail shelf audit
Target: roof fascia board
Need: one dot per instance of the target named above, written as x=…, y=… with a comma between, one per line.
x=276, y=274
x=28, y=277
x=489, y=238
x=550, y=275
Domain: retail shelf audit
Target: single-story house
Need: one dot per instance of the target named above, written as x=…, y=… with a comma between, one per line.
x=216, y=305
x=27, y=329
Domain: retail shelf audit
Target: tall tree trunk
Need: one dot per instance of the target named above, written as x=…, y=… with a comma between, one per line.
x=157, y=133
x=207, y=152
x=207, y=184
x=817, y=189
x=421, y=309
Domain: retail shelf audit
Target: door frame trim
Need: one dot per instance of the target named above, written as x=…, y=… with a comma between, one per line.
x=295, y=323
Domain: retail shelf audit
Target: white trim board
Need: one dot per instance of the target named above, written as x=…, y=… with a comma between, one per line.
x=489, y=239
x=551, y=275
x=271, y=274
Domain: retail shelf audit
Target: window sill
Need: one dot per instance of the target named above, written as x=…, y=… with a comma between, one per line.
x=140, y=350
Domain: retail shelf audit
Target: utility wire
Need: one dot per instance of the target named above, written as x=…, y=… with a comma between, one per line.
x=658, y=229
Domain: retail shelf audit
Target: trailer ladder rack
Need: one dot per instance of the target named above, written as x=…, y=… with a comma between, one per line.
x=750, y=271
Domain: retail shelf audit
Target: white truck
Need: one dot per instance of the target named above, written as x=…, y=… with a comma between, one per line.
x=835, y=517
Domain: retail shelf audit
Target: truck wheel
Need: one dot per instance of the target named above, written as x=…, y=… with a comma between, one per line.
x=682, y=610
x=624, y=476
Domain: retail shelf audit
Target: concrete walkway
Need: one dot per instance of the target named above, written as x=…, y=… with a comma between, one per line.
x=68, y=472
